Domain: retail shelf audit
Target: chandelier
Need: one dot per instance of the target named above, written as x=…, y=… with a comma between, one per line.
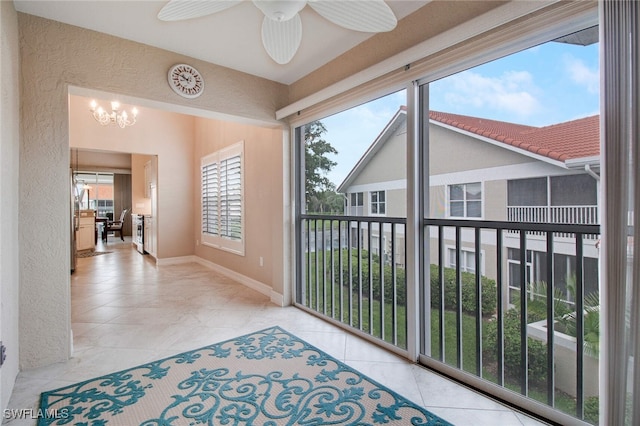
x=116, y=116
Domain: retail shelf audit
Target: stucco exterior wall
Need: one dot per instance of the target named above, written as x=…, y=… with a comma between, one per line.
x=396, y=202
x=469, y=153
x=9, y=170
x=495, y=200
x=389, y=163
x=53, y=57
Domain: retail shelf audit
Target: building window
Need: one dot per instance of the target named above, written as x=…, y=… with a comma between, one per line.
x=96, y=192
x=378, y=203
x=570, y=190
x=467, y=260
x=527, y=192
x=465, y=200
x=222, y=199
x=356, y=200
x=564, y=275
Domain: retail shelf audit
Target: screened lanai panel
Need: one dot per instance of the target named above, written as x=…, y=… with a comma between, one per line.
x=513, y=234
x=351, y=227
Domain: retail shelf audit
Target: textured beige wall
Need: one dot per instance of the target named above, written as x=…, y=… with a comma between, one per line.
x=54, y=56
x=9, y=159
x=263, y=211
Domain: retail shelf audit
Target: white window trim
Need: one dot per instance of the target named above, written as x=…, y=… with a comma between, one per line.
x=448, y=198
x=378, y=202
x=451, y=261
x=353, y=207
x=222, y=242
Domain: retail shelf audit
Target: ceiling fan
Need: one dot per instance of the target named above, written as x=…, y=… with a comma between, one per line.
x=282, y=26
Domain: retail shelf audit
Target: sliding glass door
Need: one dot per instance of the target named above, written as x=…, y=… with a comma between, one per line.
x=457, y=222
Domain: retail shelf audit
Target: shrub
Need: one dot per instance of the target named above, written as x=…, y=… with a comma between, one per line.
x=592, y=409
x=537, y=351
x=400, y=278
x=488, y=287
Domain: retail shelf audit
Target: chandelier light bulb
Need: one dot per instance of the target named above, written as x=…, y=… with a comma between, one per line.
x=121, y=118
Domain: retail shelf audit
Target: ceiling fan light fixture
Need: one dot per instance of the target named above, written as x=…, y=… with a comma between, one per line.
x=280, y=10
x=282, y=26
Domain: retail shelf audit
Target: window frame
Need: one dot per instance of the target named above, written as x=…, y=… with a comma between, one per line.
x=464, y=252
x=353, y=207
x=223, y=240
x=378, y=203
x=464, y=201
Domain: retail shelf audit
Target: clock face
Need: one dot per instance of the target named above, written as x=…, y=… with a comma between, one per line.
x=186, y=81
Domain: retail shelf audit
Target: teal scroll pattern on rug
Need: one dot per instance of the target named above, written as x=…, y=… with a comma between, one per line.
x=266, y=378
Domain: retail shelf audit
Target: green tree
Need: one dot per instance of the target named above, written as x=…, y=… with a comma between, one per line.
x=329, y=202
x=320, y=191
x=317, y=162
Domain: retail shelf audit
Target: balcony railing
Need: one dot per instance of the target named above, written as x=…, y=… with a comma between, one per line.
x=350, y=273
x=477, y=328
x=565, y=215
x=351, y=270
x=583, y=215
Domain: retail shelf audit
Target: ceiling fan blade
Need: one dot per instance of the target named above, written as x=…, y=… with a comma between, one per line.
x=281, y=39
x=372, y=16
x=177, y=10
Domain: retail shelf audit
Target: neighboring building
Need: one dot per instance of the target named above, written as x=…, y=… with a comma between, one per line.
x=496, y=171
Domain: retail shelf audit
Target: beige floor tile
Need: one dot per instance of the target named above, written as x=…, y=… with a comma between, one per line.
x=127, y=311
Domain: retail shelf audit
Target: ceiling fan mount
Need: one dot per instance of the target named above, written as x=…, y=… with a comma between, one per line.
x=280, y=10
x=282, y=26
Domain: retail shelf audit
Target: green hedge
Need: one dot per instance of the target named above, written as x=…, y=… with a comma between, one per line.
x=488, y=286
x=400, y=278
x=537, y=351
x=489, y=293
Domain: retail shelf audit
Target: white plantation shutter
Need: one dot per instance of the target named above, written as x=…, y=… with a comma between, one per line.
x=223, y=200
x=210, y=199
x=231, y=197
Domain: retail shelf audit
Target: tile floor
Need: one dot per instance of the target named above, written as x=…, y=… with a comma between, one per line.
x=126, y=311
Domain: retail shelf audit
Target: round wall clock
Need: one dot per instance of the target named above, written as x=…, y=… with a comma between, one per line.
x=186, y=81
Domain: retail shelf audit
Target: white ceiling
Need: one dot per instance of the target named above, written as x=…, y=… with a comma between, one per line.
x=230, y=38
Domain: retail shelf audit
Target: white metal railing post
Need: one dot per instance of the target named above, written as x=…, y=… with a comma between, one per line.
x=414, y=221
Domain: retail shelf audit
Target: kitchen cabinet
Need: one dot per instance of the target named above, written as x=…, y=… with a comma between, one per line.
x=147, y=179
x=85, y=235
x=150, y=244
x=150, y=176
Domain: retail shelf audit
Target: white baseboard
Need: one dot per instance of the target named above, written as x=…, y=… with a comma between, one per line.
x=176, y=260
x=275, y=297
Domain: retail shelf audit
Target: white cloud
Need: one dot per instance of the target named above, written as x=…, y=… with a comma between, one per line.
x=513, y=91
x=581, y=74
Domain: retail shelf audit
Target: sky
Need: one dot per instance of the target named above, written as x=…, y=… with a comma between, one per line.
x=543, y=85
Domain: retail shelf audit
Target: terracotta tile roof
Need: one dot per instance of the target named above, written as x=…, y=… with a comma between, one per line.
x=563, y=141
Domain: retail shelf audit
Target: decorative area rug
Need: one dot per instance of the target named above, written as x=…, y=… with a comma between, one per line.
x=267, y=378
x=91, y=253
